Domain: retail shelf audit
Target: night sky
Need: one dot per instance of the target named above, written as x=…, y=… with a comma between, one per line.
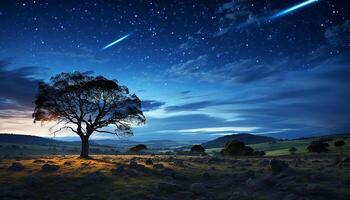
x=202, y=68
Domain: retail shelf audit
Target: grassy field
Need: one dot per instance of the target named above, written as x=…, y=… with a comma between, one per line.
x=281, y=148
x=182, y=177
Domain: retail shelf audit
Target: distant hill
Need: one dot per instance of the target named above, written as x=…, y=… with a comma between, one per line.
x=27, y=139
x=153, y=144
x=243, y=137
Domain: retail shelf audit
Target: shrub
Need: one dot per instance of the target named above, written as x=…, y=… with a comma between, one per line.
x=259, y=153
x=197, y=149
x=318, y=147
x=339, y=143
x=292, y=150
x=237, y=148
x=138, y=148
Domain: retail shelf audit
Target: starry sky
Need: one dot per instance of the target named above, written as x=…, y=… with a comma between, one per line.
x=203, y=69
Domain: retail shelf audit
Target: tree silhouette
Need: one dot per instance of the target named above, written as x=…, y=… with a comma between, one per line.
x=292, y=150
x=138, y=148
x=86, y=104
x=197, y=149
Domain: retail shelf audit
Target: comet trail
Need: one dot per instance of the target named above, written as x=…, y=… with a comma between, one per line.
x=296, y=7
x=117, y=41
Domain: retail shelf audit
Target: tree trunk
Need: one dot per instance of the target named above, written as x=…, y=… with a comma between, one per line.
x=84, y=147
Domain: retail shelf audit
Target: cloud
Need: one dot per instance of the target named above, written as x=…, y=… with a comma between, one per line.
x=238, y=14
x=148, y=105
x=18, y=88
x=212, y=130
x=82, y=53
x=241, y=71
x=338, y=35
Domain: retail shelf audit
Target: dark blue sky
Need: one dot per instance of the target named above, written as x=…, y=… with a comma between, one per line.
x=202, y=68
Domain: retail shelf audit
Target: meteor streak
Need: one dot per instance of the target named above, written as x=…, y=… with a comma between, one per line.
x=115, y=42
x=296, y=7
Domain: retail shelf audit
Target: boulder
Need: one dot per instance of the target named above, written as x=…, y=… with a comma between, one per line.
x=167, y=172
x=158, y=166
x=16, y=166
x=50, y=168
x=149, y=161
x=277, y=165
x=39, y=161
x=119, y=169
x=67, y=163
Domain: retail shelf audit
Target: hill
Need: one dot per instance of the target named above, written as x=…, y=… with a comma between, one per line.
x=27, y=139
x=243, y=137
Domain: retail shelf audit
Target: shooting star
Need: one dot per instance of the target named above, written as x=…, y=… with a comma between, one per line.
x=117, y=41
x=296, y=7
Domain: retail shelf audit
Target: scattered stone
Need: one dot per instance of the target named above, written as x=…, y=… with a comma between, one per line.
x=67, y=163
x=158, y=166
x=133, y=164
x=179, y=163
x=149, y=161
x=197, y=188
x=16, y=166
x=50, y=168
x=39, y=161
x=119, y=169
x=277, y=165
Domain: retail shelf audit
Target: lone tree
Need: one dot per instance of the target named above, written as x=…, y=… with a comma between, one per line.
x=292, y=150
x=197, y=149
x=339, y=143
x=86, y=104
x=318, y=147
x=237, y=148
x=138, y=148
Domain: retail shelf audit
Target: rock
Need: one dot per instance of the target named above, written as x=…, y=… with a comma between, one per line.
x=16, y=166
x=119, y=169
x=67, y=163
x=277, y=165
x=179, y=163
x=149, y=161
x=85, y=165
x=158, y=166
x=50, y=168
x=264, y=163
x=197, y=188
x=32, y=180
x=39, y=161
x=169, y=187
x=133, y=164
x=96, y=176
